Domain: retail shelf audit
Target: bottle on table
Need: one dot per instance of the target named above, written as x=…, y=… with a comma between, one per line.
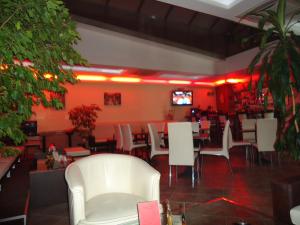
x=169, y=214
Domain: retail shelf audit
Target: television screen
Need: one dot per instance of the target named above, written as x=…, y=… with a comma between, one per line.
x=182, y=98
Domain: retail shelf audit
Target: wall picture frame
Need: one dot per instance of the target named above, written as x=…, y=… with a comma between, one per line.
x=112, y=99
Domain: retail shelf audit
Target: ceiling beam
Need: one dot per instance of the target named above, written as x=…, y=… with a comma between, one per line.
x=166, y=19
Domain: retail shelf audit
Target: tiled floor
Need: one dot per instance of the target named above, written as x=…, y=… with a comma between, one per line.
x=219, y=197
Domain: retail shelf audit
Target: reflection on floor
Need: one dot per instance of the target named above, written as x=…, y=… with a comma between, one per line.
x=218, y=198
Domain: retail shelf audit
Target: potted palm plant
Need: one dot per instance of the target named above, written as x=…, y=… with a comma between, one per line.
x=279, y=71
x=83, y=119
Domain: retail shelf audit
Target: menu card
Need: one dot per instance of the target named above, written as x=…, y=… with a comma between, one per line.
x=149, y=213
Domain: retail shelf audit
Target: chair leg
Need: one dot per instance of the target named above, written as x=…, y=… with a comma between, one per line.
x=193, y=177
x=198, y=175
x=229, y=165
x=202, y=163
x=170, y=175
x=279, y=158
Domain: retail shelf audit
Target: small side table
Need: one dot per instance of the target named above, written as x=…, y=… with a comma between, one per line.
x=77, y=151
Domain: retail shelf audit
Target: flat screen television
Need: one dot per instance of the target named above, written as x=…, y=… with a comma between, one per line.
x=182, y=98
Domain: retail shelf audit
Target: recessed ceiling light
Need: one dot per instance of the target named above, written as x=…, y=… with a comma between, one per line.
x=222, y=3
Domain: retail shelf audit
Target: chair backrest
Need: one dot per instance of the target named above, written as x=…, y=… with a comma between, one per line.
x=225, y=144
x=155, y=140
x=205, y=125
x=181, y=147
x=249, y=124
x=266, y=134
x=222, y=119
x=230, y=139
x=269, y=115
x=118, y=136
x=195, y=127
x=242, y=116
x=127, y=137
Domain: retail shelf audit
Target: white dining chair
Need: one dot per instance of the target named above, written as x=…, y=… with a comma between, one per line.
x=266, y=136
x=118, y=136
x=155, y=142
x=248, y=145
x=205, y=130
x=248, y=130
x=269, y=115
x=181, y=148
x=221, y=151
x=128, y=144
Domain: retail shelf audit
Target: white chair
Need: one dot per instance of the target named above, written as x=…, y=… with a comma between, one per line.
x=269, y=115
x=181, y=148
x=118, y=136
x=104, y=189
x=223, y=151
x=242, y=116
x=128, y=144
x=195, y=127
x=246, y=144
x=295, y=215
x=266, y=135
x=222, y=120
x=205, y=130
x=248, y=130
x=155, y=142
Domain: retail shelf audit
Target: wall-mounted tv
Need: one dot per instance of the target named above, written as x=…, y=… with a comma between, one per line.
x=182, y=98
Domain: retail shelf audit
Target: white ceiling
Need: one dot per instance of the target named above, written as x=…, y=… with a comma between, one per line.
x=231, y=9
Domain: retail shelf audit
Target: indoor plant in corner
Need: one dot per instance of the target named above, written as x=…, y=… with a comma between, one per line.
x=83, y=119
x=279, y=71
x=36, y=39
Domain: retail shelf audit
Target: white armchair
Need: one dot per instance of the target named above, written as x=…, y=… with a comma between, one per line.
x=105, y=189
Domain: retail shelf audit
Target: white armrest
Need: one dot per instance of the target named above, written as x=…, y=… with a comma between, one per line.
x=147, y=183
x=76, y=196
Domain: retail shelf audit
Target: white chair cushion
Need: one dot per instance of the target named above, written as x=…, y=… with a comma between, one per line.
x=99, y=208
x=295, y=215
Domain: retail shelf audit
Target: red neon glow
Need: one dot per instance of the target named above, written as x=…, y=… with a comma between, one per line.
x=219, y=82
x=126, y=79
x=155, y=81
x=235, y=81
x=204, y=83
x=91, y=78
x=179, y=82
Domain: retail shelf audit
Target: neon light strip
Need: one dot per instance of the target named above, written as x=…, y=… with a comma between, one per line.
x=126, y=79
x=155, y=81
x=91, y=78
x=179, y=82
x=204, y=83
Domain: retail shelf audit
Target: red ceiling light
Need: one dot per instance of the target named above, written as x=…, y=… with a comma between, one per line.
x=235, y=81
x=204, y=83
x=179, y=82
x=91, y=78
x=219, y=82
x=126, y=79
x=155, y=81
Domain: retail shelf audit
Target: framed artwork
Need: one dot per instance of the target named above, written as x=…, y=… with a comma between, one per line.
x=112, y=98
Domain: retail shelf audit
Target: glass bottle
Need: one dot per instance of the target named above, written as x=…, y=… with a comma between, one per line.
x=169, y=214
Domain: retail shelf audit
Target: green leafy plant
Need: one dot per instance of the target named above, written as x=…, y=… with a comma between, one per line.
x=8, y=151
x=36, y=38
x=279, y=71
x=84, y=118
